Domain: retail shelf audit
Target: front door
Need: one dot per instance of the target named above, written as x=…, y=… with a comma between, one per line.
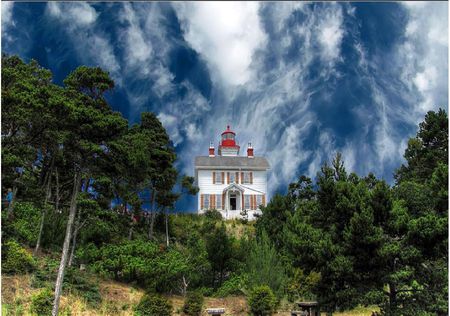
x=233, y=202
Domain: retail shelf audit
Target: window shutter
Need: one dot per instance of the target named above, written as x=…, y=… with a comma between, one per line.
x=214, y=177
x=242, y=178
x=223, y=177
x=264, y=200
x=228, y=178
x=213, y=201
x=201, y=201
x=223, y=201
x=237, y=177
x=254, y=202
x=242, y=198
x=251, y=177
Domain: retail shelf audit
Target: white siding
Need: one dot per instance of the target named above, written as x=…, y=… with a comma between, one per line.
x=206, y=186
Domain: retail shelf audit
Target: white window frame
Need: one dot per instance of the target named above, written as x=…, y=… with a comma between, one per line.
x=218, y=179
x=206, y=202
x=247, y=201
x=246, y=179
x=258, y=201
x=219, y=205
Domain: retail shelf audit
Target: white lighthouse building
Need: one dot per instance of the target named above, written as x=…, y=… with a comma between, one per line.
x=234, y=185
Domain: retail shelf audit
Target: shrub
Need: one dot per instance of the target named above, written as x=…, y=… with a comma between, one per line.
x=16, y=259
x=235, y=285
x=262, y=301
x=193, y=304
x=79, y=283
x=213, y=215
x=25, y=224
x=153, y=305
x=42, y=302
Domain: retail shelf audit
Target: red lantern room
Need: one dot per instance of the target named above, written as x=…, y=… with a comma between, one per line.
x=228, y=145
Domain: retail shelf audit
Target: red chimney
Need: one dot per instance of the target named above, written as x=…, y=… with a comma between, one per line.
x=211, y=149
x=250, y=151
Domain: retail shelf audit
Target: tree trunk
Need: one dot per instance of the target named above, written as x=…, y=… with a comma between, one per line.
x=77, y=226
x=152, y=216
x=392, y=299
x=130, y=234
x=74, y=239
x=48, y=192
x=57, y=191
x=65, y=252
x=167, y=227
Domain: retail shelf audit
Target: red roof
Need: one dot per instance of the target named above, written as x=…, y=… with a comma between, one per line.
x=229, y=131
x=228, y=142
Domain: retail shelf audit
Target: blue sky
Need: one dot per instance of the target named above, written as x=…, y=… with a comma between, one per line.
x=300, y=81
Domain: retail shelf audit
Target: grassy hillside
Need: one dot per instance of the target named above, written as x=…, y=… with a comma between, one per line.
x=119, y=299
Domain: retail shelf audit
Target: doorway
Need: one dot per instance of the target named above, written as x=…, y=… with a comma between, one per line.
x=233, y=202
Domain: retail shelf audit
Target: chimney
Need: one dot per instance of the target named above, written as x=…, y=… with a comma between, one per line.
x=250, y=151
x=211, y=149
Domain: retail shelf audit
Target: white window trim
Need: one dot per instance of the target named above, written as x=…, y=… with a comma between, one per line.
x=206, y=205
x=219, y=201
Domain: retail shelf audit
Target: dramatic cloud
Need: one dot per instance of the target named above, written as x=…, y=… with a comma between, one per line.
x=301, y=81
x=7, y=7
x=78, y=19
x=426, y=53
x=225, y=33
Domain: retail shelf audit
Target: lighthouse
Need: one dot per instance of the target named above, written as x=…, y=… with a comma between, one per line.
x=233, y=184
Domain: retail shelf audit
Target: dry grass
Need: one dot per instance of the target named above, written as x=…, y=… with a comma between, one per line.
x=119, y=299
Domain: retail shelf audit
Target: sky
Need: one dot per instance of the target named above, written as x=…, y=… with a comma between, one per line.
x=300, y=81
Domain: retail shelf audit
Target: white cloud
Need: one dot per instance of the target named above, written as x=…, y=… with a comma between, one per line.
x=78, y=19
x=7, y=7
x=330, y=34
x=425, y=54
x=226, y=34
x=138, y=49
x=79, y=13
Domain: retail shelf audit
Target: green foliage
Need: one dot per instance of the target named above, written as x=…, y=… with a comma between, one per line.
x=301, y=285
x=236, y=284
x=41, y=303
x=139, y=261
x=264, y=267
x=15, y=259
x=193, y=304
x=427, y=150
x=79, y=283
x=262, y=301
x=212, y=215
x=24, y=227
x=219, y=248
x=197, y=259
x=153, y=305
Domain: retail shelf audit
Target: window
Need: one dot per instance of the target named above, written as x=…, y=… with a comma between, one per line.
x=246, y=178
x=206, y=204
x=247, y=202
x=258, y=200
x=218, y=179
x=232, y=177
x=218, y=201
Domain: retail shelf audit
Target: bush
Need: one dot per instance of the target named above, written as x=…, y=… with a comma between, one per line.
x=42, y=302
x=235, y=285
x=15, y=259
x=193, y=304
x=153, y=305
x=262, y=301
x=25, y=226
x=78, y=282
